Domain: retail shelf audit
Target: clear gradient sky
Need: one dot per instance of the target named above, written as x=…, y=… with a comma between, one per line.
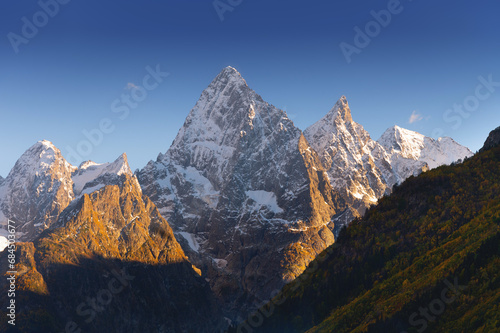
x=64, y=78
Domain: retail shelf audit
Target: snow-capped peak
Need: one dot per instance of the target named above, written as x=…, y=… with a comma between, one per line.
x=46, y=143
x=415, y=146
x=86, y=164
x=89, y=171
x=230, y=70
x=345, y=148
x=363, y=170
x=340, y=109
x=37, y=188
x=227, y=111
x=120, y=166
x=228, y=77
x=336, y=127
x=407, y=143
x=38, y=159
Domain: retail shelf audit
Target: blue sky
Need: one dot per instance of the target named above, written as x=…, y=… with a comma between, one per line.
x=64, y=78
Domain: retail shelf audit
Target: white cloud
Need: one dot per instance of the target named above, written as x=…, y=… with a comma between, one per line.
x=415, y=116
x=130, y=86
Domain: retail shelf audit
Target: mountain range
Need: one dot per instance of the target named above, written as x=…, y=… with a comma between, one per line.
x=249, y=198
x=254, y=199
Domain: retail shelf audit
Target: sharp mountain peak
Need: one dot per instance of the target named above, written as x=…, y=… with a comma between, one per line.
x=45, y=143
x=342, y=109
x=229, y=76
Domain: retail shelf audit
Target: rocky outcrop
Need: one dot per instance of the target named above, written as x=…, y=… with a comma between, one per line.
x=356, y=165
x=493, y=140
x=37, y=190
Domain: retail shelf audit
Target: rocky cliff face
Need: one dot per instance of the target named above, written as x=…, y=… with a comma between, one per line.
x=493, y=140
x=356, y=165
x=116, y=221
x=111, y=263
x=245, y=190
x=36, y=190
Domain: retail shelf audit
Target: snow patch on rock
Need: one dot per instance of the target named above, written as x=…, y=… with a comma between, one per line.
x=264, y=199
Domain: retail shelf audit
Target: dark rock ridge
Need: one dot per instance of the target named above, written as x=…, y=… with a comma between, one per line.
x=493, y=140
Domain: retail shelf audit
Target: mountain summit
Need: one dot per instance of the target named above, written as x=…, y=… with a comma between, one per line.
x=245, y=193
x=37, y=189
x=345, y=149
x=415, y=146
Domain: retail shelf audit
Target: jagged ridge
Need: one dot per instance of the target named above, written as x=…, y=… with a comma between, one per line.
x=243, y=186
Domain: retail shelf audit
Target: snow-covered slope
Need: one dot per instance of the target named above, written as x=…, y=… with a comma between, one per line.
x=3, y=239
x=36, y=190
x=42, y=184
x=410, y=152
x=84, y=179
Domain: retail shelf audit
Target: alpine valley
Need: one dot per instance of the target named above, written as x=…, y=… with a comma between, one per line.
x=237, y=207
